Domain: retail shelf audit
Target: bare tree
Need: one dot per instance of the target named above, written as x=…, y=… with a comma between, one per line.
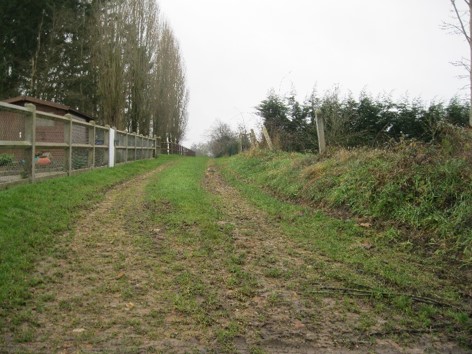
x=141, y=50
x=170, y=117
x=463, y=25
x=109, y=61
x=140, y=74
x=110, y=58
x=223, y=140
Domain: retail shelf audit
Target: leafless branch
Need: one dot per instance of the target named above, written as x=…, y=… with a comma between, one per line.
x=371, y=292
x=451, y=28
x=467, y=34
x=462, y=63
x=461, y=22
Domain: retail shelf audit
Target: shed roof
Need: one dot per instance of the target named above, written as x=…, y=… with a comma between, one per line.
x=22, y=100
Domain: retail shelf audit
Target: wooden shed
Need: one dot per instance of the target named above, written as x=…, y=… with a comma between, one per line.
x=48, y=106
x=46, y=130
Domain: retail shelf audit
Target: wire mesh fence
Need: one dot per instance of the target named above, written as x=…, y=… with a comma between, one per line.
x=171, y=148
x=13, y=127
x=36, y=144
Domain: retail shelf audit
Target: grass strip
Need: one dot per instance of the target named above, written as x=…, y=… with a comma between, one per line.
x=197, y=250
x=33, y=216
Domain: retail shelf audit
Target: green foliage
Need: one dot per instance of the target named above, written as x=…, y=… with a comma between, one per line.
x=288, y=122
x=366, y=121
x=274, y=111
x=35, y=38
x=6, y=159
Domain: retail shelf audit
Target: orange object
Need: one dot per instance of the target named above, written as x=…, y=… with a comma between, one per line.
x=43, y=161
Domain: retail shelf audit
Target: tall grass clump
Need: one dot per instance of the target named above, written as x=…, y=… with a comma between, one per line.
x=424, y=190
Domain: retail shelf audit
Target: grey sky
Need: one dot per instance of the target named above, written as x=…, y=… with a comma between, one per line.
x=235, y=51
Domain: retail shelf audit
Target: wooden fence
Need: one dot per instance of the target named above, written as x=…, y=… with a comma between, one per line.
x=36, y=145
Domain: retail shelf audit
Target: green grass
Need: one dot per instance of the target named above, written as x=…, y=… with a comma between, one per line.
x=350, y=256
x=224, y=265
x=195, y=245
x=337, y=239
x=34, y=216
x=423, y=192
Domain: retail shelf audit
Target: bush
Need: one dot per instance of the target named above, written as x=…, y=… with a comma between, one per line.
x=6, y=159
x=223, y=141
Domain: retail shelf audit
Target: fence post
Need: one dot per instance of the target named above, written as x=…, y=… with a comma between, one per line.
x=267, y=137
x=150, y=144
x=320, y=131
x=106, y=142
x=92, y=138
x=254, y=142
x=126, y=150
x=111, y=147
x=69, y=138
x=141, y=137
x=30, y=135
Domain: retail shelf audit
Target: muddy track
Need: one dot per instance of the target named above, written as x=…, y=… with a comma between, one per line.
x=280, y=318
x=82, y=302
x=284, y=316
x=120, y=283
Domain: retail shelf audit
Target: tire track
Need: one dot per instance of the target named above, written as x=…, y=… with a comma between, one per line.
x=99, y=292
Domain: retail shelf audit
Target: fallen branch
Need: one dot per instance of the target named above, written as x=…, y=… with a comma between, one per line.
x=372, y=292
x=430, y=329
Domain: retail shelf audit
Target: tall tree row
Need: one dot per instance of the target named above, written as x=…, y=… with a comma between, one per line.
x=116, y=60
x=172, y=98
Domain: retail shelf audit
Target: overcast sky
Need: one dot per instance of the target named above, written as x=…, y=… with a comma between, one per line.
x=235, y=51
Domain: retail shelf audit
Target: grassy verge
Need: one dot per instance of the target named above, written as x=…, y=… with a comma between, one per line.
x=422, y=194
x=415, y=293
x=33, y=217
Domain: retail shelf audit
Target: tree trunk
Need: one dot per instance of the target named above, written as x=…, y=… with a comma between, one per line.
x=470, y=60
x=467, y=32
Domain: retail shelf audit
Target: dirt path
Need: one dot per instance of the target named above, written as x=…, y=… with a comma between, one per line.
x=125, y=283
x=280, y=317
x=102, y=293
x=282, y=314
